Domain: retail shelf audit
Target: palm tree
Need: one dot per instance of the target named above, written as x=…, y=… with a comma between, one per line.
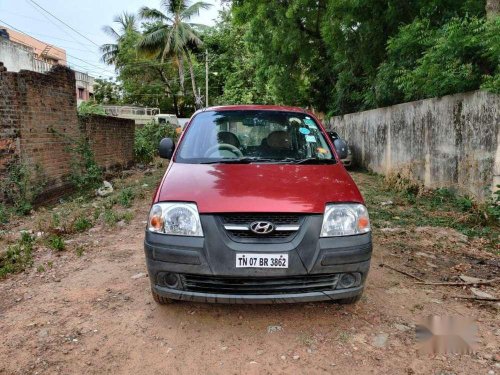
x=172, y=35
x=127, y=25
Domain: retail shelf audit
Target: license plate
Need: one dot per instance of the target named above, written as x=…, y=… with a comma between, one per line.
x=246, y=260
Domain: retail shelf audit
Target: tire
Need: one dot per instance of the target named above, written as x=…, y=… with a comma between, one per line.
x=161, y=300
x=350, y=300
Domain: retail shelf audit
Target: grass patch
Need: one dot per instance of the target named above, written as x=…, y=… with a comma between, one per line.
x=4, y=214
x=389, y=206
x=344, y=336
x=79, y=251
x=73, y=214
x=56, y=243
x=18, y=256
x=81, y=224
x=126, y=197
x=112, y=217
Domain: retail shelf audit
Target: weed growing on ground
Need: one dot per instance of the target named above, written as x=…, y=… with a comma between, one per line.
x=81, y=224
x=4, y=214
x=79, y=251
x=56, y=243
x=126, y=197
x=127, y=217
x=22, y=185
x=112, y=217
x=85, y=174
x=389, y=206
x=18, y=256
x=344, y=336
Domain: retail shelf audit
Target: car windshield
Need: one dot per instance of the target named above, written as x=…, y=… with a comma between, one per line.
x=254, y=136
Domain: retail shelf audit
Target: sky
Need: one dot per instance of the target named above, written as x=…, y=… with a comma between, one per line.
x=87, y=17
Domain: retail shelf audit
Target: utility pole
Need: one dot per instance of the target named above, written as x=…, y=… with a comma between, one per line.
x=206, y=78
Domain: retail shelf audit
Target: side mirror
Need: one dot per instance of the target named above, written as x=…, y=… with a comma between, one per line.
x=341, y=148
x=166, y=149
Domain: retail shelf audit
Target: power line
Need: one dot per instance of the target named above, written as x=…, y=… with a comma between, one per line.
x=60, y=28
x=74, y=57
x=64, y=23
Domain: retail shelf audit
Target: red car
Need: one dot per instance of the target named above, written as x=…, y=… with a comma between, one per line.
x=256, y=207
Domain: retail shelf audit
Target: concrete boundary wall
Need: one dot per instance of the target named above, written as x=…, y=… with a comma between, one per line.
x=452, y=141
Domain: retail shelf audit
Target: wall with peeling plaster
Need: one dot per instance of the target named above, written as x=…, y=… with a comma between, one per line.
x=452, y=141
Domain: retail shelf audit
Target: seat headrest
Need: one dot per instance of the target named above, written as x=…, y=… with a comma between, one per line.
x=279, y=139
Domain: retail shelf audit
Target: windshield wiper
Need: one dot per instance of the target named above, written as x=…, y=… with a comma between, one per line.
x=245, y=160
x=314, y=161
x=249, y=160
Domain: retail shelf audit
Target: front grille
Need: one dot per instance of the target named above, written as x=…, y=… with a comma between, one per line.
x=259, y=285
x=247, y=236
x=276, y=219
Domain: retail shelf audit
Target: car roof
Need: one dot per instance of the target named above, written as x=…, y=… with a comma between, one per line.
x=254, y=107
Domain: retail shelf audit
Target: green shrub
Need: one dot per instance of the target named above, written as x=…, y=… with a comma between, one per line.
x=91, y=108
x=22, y=185
x=110, y=217
x=18, y=256
x=81, y=224
x=57, y=243
x=126, y=197
x=4, y=214
x=493, y=208
x=85, y=173
x=127, y=217
x=147, y=140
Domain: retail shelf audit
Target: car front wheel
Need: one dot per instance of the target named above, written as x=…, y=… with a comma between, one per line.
x=350, y=300
x=161, y=300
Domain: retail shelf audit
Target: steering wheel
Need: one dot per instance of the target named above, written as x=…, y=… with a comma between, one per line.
x=223, y=147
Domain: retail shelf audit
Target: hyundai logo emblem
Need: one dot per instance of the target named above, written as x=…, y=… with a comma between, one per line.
x=262, y=227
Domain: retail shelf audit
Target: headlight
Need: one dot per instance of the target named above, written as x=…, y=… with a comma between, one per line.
x=178, y=219
x=345, y=220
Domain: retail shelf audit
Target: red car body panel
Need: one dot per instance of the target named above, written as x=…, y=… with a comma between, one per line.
x=218, y=188
x=259, y=187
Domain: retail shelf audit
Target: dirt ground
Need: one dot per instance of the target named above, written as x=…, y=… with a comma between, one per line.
x=94, y=314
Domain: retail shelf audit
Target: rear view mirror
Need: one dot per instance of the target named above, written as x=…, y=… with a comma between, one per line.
x=166, y=149
x=341, y=148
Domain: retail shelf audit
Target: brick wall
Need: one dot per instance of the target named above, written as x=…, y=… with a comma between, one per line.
x=111, y=139
x=9, y=119
x=38, y=121
x=48, y=122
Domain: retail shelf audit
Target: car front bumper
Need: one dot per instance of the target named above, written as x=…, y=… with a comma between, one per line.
x=315, y=266
x=256, y=298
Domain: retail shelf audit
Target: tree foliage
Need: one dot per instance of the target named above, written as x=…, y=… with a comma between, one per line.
x=152, y=59
x=340, y=56
x=334, y=56
x=107, y=92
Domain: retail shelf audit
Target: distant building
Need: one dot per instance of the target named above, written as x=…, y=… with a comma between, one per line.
x=84, y=87
x=43, y=51
x=19, y=51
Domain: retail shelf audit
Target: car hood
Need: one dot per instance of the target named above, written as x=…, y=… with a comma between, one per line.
x=218, y=188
